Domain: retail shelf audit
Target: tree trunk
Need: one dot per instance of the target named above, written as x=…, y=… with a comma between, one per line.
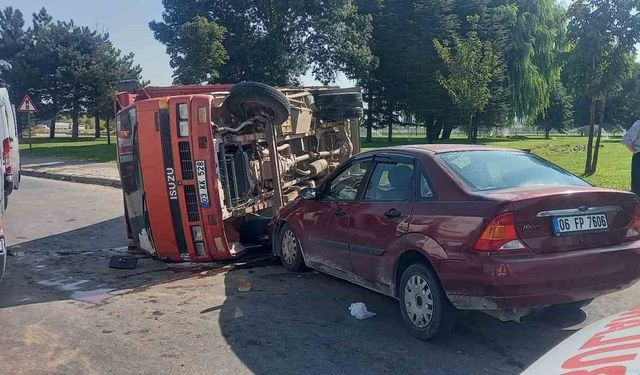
x=52, y=127
x=446, y=132
x=97, y=125
x=546, y=132
x=603, y=107
x=75, y=121
x=54, y=106
x=109, y=130
x=434, y=128
x=369, y=122
x=592, y=119
x=473, y=134
x=390, y=136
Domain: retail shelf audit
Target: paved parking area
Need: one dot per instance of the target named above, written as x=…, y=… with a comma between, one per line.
x=62, y=310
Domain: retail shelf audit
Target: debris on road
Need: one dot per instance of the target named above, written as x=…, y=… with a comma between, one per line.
x=359, y=311
x=125, y=263
x=245, y=286
x=15, y=253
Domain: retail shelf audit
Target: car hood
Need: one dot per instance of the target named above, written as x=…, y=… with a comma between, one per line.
x=611, y=343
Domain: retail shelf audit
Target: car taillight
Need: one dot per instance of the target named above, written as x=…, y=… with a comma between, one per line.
x=6, y=155
x=500, y=234
x=634, y=229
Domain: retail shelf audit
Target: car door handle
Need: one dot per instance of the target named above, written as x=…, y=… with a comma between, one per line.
x=393, y=214
x=340, y=212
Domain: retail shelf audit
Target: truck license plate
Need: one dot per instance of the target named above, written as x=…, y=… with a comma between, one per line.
x=583, y=223
x=203, y=192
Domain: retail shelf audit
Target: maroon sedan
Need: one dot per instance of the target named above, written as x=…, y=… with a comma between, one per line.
x=452, y=227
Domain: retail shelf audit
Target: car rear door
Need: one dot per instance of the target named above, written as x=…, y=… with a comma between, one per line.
x=326, y=220
x=381, y=218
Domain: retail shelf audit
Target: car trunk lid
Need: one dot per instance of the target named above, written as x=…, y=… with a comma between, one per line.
x=536, y=209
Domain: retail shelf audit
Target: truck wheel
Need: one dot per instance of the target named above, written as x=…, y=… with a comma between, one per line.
x=248, y=99
x=290, y=250
x=425, y=309
x=336, y=114
x=339, y=99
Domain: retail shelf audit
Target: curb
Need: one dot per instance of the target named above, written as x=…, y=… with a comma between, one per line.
x=78, y=179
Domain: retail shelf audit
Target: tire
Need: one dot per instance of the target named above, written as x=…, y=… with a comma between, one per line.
x=418, y=287
x=330, y=99
x=290, y=251
x=248, y=99
x=336, y=114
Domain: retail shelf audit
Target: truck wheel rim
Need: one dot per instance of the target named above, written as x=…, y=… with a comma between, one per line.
x=418, y=301
x=289, y=245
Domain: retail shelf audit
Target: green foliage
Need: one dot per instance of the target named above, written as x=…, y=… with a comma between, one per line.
x=473, y=66
x=274, y=42
x=66, y=68
x=200, y=53
x=559, y=115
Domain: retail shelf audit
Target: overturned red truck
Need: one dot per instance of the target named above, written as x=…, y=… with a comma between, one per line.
x=204, y=168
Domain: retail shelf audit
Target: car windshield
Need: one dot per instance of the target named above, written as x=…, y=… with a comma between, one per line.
x=497, y=170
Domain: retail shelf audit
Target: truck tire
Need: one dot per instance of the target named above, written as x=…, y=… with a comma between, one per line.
x=336, y=114
x=248, y=99
x=331, y=99
x=424, y=306
x=255, y=230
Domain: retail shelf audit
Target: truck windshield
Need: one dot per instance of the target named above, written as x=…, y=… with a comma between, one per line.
x=497, y=170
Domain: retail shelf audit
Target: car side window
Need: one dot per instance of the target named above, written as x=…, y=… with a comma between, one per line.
x=426, y=192
x=390, y=182
x=345, y=186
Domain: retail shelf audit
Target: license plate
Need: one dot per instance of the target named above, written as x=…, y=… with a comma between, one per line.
x=582, y=223
x=203, y=192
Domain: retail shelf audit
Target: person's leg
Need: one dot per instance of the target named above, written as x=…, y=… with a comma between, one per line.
x=635, y=173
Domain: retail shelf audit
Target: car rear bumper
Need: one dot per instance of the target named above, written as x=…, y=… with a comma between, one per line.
x=503, y=282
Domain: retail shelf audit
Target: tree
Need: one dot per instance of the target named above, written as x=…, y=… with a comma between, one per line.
x=624, y=108
x=559, y=115
x=199, y=54
x=12, y=34
x=533, y=54
x=603, y=34
x=274, y=42
x=473, y=66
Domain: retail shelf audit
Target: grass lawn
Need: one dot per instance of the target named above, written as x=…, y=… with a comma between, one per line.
x=89, y=149
x=614, y=167
x=566, y=151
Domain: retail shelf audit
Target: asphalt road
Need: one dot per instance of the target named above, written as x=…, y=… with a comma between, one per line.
x=62, y=310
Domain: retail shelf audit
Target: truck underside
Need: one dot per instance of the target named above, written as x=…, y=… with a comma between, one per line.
x=267, y=145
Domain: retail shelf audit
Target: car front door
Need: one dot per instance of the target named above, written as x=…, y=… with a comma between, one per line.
x=381, y=218
x=326, y=220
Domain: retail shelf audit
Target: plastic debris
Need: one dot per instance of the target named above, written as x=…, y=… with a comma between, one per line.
x=245, y=286
x=359, y=311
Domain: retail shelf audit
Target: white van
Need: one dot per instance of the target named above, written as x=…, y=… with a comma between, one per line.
x=10, y=144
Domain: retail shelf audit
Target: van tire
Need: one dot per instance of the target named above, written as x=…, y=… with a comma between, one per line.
x=419, y=288
x=248, y=99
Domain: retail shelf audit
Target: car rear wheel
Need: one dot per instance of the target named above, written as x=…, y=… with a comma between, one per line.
x=425, y=309
x=290, y=250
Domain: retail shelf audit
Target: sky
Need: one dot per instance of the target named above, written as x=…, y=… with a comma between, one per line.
x=127, y=23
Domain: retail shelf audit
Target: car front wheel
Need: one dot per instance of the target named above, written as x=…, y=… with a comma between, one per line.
x=290, y=250
x=425, y=309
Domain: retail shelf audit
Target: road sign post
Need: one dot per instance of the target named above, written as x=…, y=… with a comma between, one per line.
x=27, y=107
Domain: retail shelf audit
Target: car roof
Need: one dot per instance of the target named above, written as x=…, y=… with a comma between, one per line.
x=439, y=148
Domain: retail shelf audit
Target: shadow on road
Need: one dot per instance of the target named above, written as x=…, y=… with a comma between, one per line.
x=74, y=265
x=299, y=323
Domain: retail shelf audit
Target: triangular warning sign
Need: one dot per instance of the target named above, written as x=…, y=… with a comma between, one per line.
x=27, y=105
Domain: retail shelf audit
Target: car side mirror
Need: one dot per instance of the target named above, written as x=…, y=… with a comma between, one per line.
x=309, y=194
